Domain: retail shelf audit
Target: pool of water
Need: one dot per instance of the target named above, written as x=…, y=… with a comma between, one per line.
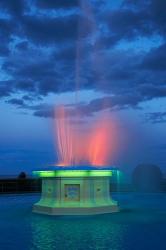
x=141, y=224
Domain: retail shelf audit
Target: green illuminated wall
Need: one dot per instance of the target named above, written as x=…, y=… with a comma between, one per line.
x=73, y=173
x=64, y=189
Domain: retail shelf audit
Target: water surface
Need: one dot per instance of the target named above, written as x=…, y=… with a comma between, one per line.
x=141, y=224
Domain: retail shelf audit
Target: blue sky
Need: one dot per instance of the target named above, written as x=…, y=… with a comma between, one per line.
x=108, y=50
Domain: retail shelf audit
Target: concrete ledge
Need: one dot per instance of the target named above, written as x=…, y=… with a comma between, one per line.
x=75, y=210
x=76, y=195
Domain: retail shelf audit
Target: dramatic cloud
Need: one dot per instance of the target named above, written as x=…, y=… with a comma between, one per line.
x=89, y=109
x=54, y=46
x=127, y=24
x=155, y=59
x=50, y=30
x=14, y=7
x=156, y=117
x=112, y=52
x=49, y=4
x=6, y=88
x=17, y=102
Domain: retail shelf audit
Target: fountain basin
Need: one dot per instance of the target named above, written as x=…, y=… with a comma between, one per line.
x=75, y=192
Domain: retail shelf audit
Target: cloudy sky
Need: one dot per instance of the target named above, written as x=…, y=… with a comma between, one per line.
x=86, y=53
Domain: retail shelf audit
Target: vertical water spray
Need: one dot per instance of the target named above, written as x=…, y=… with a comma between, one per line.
x=97, y=145
x=84, y=191
x=75, y=147
x=63, y=137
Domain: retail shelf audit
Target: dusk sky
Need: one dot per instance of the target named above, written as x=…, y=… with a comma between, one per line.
x=106, y=51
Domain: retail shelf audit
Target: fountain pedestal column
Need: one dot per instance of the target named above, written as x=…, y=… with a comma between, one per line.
x=75, y=192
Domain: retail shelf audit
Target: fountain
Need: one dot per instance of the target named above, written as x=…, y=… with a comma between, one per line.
x=75, y=192
x=72, y=188
x=83, y=188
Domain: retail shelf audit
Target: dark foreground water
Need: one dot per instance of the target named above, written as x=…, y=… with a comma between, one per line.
x=140, y=225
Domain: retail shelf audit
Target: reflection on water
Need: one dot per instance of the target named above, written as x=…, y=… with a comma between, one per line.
x=95, y=232
x=141, y=225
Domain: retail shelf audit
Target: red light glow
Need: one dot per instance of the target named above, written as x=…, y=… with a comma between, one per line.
x=95, y=147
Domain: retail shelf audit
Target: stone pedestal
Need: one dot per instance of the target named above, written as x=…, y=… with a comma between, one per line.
x=75, y=192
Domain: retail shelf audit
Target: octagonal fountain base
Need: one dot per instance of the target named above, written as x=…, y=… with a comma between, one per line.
x=75, y=192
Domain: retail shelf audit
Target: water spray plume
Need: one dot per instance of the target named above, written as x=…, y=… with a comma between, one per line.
x=64, y=136
x=102, y=142
x=76, y=147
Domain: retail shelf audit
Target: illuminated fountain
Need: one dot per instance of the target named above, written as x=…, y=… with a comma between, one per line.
x=79, y=183
x=71, y=188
